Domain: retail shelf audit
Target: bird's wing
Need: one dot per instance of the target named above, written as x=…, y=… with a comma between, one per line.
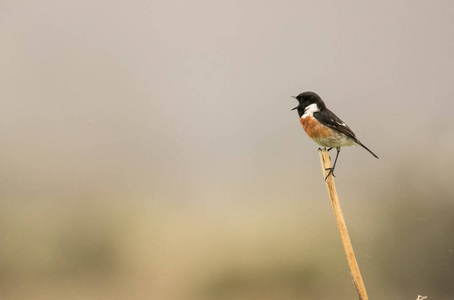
x=328, y=118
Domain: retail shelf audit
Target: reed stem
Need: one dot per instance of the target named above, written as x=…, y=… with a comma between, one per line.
x=352, y=263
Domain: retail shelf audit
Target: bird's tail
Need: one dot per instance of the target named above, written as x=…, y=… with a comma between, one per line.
x=361, y=144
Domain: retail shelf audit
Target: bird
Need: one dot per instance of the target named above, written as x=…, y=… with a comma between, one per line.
x=324, y=127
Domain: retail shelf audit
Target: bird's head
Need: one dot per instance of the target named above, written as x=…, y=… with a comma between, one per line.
x=306, y=99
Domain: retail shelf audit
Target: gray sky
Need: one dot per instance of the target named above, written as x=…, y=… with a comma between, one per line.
x=175, y=100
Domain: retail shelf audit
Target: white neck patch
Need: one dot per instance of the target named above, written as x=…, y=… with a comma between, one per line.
x=310, y=109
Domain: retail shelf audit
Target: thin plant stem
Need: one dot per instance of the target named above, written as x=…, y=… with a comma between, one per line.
x=352, y=263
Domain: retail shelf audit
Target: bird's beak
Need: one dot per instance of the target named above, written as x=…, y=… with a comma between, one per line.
x=296, y=99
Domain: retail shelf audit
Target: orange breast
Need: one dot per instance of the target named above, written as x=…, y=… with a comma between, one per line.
x=314, y=129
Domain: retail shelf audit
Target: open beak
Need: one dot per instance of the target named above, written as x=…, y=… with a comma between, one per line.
x=296, y=99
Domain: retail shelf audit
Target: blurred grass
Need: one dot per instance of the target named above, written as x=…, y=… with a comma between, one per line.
x=90, y=247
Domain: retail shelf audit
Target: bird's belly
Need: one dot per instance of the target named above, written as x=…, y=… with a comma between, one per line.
x=338, y=140
x=323, y=135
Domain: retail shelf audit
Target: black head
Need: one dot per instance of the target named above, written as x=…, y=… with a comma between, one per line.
x=307, y=98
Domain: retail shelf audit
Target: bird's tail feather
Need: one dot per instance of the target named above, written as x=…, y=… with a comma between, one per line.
x=361, y=144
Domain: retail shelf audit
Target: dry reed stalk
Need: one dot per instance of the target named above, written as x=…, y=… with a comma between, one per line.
x=352, y=263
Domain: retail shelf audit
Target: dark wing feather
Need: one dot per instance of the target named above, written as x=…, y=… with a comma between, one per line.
x=328, y=118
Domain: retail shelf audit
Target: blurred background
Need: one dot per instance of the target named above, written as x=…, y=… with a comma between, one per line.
x=148, y=150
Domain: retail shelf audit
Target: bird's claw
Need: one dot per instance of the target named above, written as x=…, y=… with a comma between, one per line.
x=331, y=172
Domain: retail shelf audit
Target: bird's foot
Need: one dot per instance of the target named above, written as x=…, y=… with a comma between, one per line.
x=331, y=172
x=321, y=150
